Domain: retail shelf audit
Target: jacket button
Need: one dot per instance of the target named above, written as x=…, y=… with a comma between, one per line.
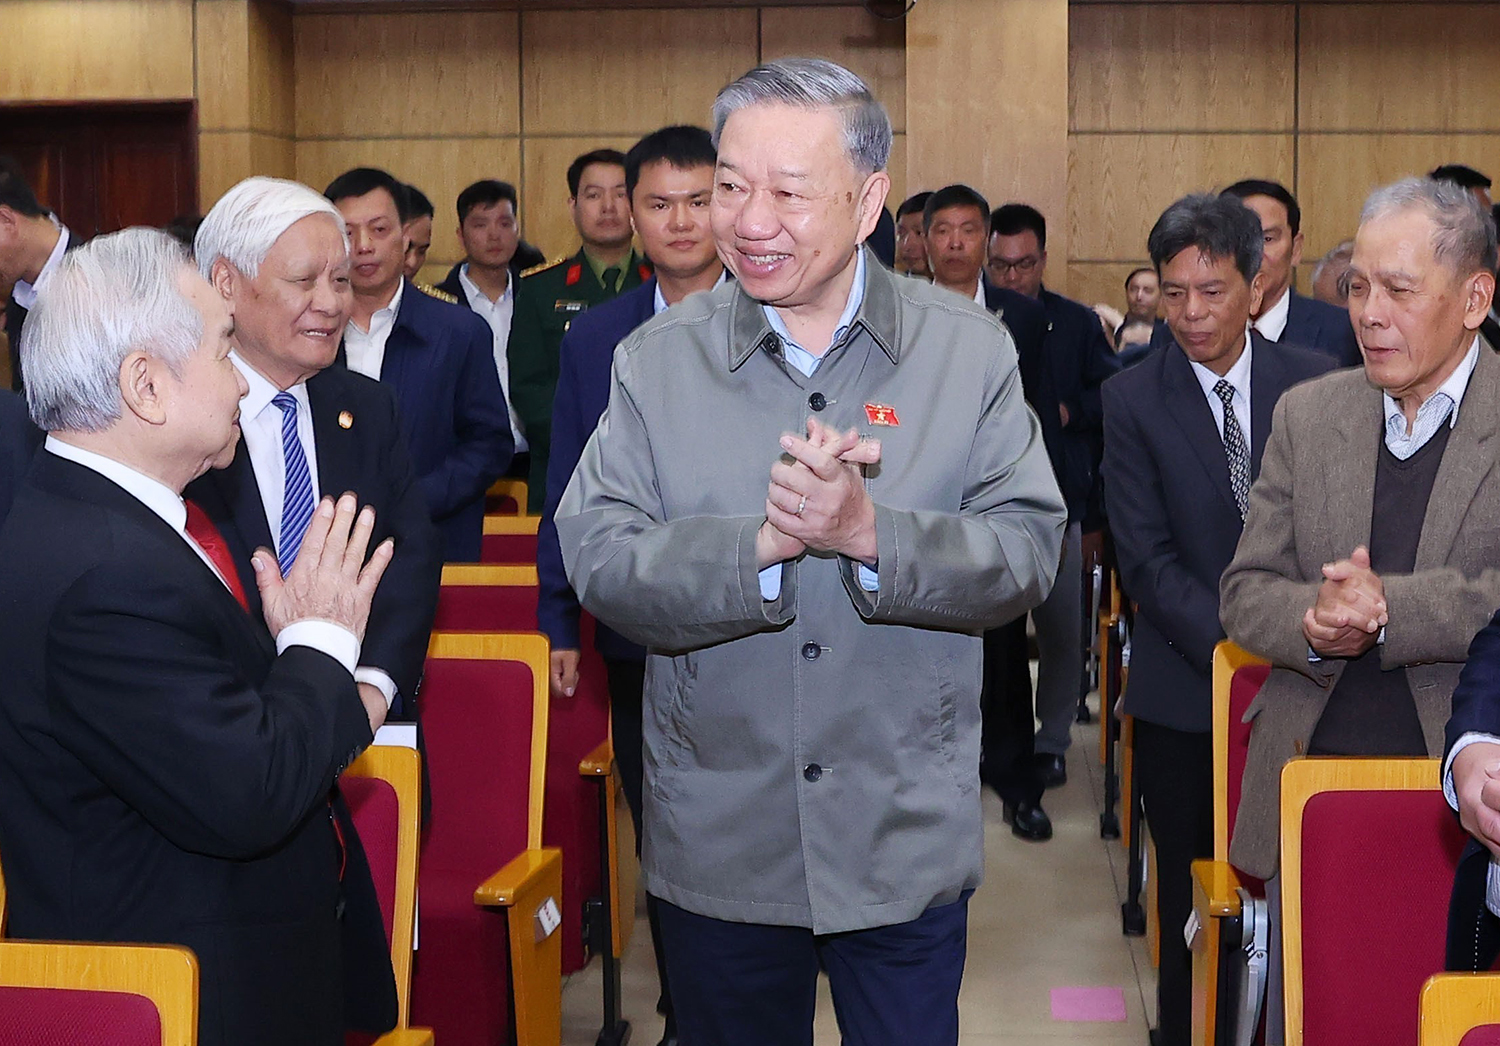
x=810, y=651
x=812, y=772
x=817, y=401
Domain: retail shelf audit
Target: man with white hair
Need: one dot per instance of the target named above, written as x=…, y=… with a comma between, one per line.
x=277, y=253
x=811, y=600
x=168, y=768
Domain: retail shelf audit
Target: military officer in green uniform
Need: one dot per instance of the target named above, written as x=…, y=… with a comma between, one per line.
x=551, y=296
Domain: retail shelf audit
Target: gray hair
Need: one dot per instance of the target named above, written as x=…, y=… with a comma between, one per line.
x=1339, y=255
x=248, y=220
x=115, y=295
x=1463, y=236
x=815, y=83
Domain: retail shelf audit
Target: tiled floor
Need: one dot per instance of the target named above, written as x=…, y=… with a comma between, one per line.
x=1047, y=916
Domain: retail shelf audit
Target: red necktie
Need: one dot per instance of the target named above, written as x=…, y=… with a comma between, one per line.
x=202, y=530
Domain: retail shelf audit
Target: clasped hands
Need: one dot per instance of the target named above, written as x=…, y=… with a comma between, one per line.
x=818, y=501
x=1350, y=610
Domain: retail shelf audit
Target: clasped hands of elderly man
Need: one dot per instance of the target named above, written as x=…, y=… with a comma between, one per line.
x=818, y=501
x=1350, y=611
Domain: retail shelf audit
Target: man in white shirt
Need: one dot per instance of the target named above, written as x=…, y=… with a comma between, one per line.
x=276, y=251
x=161, y=755
x=32, y=243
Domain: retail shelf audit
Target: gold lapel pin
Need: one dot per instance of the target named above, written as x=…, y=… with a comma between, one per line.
x=346, y=420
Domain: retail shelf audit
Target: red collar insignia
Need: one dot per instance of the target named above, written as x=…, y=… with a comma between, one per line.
x=645, y=271
x=575, y=273
x=882, y=414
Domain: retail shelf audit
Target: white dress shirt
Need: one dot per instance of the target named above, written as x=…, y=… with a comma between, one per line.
x=1239, y=378
x=498, y=314
x=365, y=350
x=334, y=640
x=979, y=293
x=260, y=427
x=25, y=293
x=1272, y=322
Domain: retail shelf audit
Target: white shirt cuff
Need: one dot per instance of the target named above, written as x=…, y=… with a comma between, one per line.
x=869, y=580
x=379, y=680
x=770, y=582
x=1458, y=746
x=324, y=636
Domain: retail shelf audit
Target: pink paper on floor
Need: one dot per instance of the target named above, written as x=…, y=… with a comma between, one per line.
x=1088, y=1004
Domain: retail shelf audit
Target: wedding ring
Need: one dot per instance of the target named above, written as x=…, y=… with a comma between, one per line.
x=801, y=505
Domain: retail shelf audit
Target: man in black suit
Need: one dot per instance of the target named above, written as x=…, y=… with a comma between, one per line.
x=32, y=242
x=1177, y=473
x=1081, y=358
x=1284, y=316
x=19, y=439
x=275, y=250
x=436, y=357
x=955, y=225
x=168, y=765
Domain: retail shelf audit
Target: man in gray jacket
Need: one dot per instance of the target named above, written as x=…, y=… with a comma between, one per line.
x=812, y=605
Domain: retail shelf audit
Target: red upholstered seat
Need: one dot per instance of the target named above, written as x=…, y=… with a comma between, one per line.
x=502, y=605
x=1369, y=847
x=71, y=1017
x=376, y=812
x=508, y=548
x=1243, y=687
x=1488, y=1035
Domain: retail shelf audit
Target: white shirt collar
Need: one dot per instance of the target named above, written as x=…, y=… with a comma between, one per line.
x=1238, y=376
x=473, y=291
x=1272, y=322
x=25, y=293
x=1454, y=388
x=660, y=302
x=154, y=494
x=386, y=316
x=262, y=391
x=979, y=293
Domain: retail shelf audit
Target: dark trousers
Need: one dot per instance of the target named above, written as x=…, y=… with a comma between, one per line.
x=627, y=686
x=520, y=466
x=1473, y=930
x=1176, y=772
x=744, y=984
x=1007, y=761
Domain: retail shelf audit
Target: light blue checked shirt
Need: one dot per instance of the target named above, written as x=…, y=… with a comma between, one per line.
x=807, y=363
x=1441, y=406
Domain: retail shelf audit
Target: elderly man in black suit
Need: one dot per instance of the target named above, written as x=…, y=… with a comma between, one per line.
x=1183, y=436
x=1081, y=358
x=167, y=758
x=277, y=253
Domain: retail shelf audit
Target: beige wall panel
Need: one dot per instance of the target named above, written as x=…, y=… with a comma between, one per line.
x=439, y=167
x=1010, y=143
x=272, y=68
x=1118, y=185
x=88, y=49
x=223, y=65
x=1397, y=67
x=418, y=75
x=227, y=157
x=545, y=220
x=1337, y=171
x=1181, y=67
x=614, y=72
x=875, y=48
x=1094, y=282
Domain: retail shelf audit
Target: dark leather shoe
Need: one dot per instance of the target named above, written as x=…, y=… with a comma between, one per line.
x=1052, y=769
x=1027, y=821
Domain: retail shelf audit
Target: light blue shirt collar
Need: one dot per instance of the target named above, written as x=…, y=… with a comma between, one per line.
x=795, y=354
x=660, y=302
x=1444, y=403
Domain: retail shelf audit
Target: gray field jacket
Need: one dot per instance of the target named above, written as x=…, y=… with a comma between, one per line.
x=813, y=760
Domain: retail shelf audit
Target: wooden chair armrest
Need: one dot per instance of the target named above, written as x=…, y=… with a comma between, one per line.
x=406, y=1037
x=599, y=762
x=1214, y=886
x=530, y=872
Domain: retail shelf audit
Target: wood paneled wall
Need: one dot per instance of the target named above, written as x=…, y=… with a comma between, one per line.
x=1331, y=99
x=517, y=95
x=85, y=50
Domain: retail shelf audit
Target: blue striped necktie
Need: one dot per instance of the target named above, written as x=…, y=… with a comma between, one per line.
x=297, y=500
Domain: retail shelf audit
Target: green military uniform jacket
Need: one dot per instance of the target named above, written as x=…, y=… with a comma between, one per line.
x=549, y=298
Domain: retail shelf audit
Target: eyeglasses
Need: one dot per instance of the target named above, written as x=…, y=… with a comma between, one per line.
x=1025, y=265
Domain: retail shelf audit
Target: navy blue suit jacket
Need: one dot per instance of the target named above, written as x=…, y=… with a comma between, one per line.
x=1323, y=328
x=369, y=458
x=19, y=439
x=585, y=360
x=440, y=361
x=1174, y=519
x=1026, y=319
x=1081, y=360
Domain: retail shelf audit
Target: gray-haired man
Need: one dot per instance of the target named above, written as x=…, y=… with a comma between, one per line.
x=812, y=605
